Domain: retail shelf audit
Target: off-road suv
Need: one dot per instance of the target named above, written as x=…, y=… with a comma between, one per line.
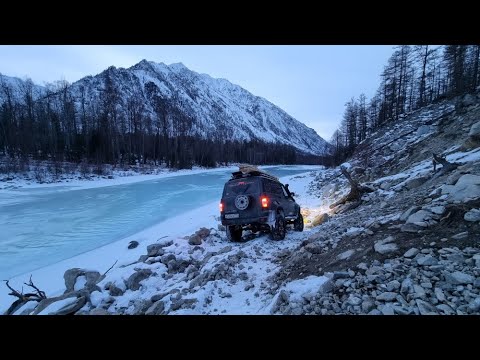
x=257, y=201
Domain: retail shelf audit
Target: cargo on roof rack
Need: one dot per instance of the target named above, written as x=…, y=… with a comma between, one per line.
x=239, y=174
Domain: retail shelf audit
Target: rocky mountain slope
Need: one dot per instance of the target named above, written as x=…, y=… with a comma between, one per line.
x=182, y=100
x=410, y=246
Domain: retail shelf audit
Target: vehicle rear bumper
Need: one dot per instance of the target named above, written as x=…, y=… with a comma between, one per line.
x=262, y=219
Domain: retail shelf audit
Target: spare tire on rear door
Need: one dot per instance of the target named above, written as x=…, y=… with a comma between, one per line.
x=242, y=202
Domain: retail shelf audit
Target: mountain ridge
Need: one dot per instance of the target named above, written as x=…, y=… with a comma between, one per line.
x=209, y=107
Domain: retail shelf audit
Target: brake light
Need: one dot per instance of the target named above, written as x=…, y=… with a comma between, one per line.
x=221, y=206
x=264, y=201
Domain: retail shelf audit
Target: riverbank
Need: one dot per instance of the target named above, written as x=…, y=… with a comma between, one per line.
x=50, y=278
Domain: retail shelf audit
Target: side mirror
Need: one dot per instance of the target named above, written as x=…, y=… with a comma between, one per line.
x=293, y=194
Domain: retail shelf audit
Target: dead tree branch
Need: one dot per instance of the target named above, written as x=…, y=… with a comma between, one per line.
x=356, y=190
x=22, y=298
x=110, y=268
x=39, y=293
x=14, y=292
x=447, y=166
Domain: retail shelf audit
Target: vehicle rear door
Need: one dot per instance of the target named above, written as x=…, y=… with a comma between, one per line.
x=289, y=203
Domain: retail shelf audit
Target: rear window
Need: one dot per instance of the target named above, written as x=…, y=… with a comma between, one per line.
x=240, y=187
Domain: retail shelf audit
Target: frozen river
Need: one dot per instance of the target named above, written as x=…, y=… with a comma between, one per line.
x=43, y=226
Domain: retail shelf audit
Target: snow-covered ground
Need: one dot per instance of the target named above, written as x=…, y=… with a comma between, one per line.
x=118, y=177
x=50, y=278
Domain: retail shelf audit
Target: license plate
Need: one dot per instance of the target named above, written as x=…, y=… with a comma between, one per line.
x=231, y=216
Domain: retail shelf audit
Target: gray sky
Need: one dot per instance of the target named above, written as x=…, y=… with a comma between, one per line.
x=312, y=83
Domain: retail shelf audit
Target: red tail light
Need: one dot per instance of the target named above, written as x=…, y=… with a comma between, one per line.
x=221, y=206
x=264, y=201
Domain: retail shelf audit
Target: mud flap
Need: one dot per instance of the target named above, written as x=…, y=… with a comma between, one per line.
x=271, y=219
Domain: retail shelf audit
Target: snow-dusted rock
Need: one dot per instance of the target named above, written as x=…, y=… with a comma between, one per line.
x=472, y=215
x=453, y=178
x=156, y=309
x=439, y=294
x=466, y=188
x=393, y=285
x=475, y=130
x=424, y=129
x=90, y=279
x=115, y=291
x=426, y=308
x=468, y=100
x=437, y=210
x=98, y=311
x=386, y=309
x=427, y=261
x=155, y=250
x=474, y=306
x=409, y=212
x=460, y=236
x=459, y=278
x=313, y=248
x=367, y=306
x=133, y=282
x=416, y=182
x=411, y=253
x=447, y=310
x=195, y=240
x=346, y=254
x=419, y=217
x=385, y=246
x=387, y=296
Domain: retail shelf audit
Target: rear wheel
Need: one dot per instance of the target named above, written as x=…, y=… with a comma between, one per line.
x=234, y=233
x=298, y=223
x=279, y=229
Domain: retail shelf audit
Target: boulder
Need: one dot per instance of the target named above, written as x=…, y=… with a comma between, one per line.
x=466, y=188
x=415, y=182
x=133, y=282
x=91, y=279
x=425, y=308
x=202, y=233
x=313, y=248
x=195, y=240
x=132, y=244
x=419, y=217
x=70, y=276
x=409, y=212
x=473, y=215
x=156, y=309
x=468, y=100
x=115, y=291
x=459, y=278
x=155, y=250
x=99, y=311
x=427, y=261
x=424, y=129
x=385, y=246
x=320, y=219
x=411, y=253
x=346, y=254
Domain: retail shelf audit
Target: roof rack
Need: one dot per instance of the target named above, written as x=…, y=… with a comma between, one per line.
x=239, y=174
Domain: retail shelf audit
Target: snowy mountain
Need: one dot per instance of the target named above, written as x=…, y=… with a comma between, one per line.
x=197, y=104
